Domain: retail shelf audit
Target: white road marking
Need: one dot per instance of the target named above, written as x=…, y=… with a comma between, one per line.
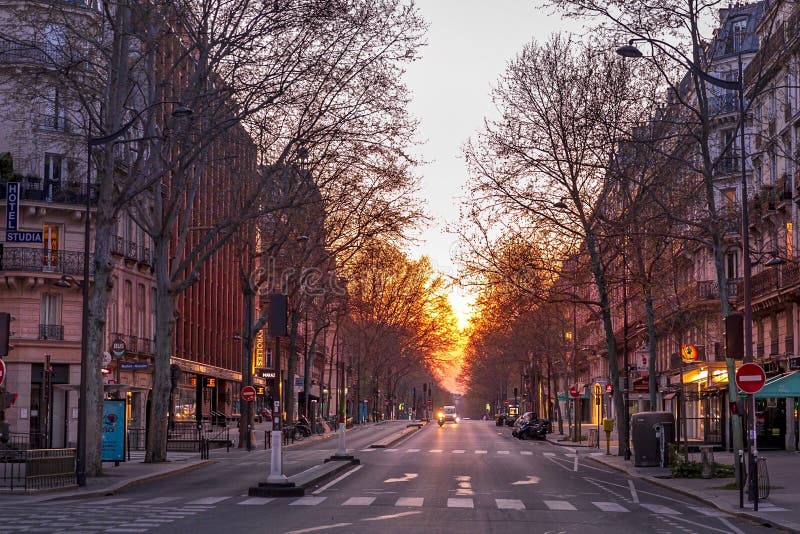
x=730, y=526
x=405, y=478
x=391, y=450
x=610, y=507
x=337, y=479
x=529, y=480
x=307, y=501
x=510, y=504
x=160, y=500
x=480, y=452
x=502, y=452
x=459, y=451
x=664, y=497
x=634, y=495
x=412, y=450
x=435, y=450
x=209, y=500
x=409, y=501
x=316, y=529
x=549, y=453
x=390, y=516
x=575, y=467
x=111, y=501
x=660, y=509
x=597, y=454
x=526, y=453
x=368, y=450
x=559, y=505
x=358, y=501
x=455, y=502
x=256, y=501
x=702, y=525
x=710, y=512
x=571, y=455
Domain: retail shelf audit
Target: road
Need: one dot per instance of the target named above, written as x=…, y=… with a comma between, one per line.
x=467, y=477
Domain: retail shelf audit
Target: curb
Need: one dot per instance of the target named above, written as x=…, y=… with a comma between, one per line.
x=124, y=484
x=737, y=513
x=394, y=438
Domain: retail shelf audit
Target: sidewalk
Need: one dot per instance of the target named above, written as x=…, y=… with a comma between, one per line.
x=781, y=508
x=127, y=474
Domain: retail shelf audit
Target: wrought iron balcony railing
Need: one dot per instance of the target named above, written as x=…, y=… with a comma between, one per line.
x=63, y=193
x=27, y=259
x=51, y=331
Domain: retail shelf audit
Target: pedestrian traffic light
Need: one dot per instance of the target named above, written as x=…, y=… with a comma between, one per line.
x=737, y=407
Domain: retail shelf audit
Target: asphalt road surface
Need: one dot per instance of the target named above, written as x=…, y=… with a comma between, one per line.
x=467, y=477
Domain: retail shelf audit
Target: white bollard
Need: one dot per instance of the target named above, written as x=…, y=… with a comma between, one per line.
x=342, y=450
x=276, y=475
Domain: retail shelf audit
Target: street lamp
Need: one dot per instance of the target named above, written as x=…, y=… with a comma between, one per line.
x=83, y=403
x=630, y=51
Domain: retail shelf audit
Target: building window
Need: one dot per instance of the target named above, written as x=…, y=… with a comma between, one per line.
x=127, y=306
x=49, y=246
x=153, y=313
x=732, y=265
x=50, y=311
x=729, y=201
x=140, y=311
x=53, y=115
x=738, y=34
x=113, y=307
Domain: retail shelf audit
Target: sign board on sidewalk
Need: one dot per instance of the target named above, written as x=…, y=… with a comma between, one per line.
x=112, y=439
x=750, y=378
x=118, y=347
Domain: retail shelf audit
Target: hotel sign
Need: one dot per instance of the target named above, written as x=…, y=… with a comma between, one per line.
x=259, y=350
x=12, y=218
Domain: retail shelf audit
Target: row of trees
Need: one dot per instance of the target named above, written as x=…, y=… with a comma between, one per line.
x=599, y=173
x=298, y=129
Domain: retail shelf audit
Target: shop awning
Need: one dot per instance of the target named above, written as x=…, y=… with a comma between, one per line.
x=781, y=386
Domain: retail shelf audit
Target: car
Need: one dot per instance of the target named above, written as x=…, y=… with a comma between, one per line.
x=450, y=414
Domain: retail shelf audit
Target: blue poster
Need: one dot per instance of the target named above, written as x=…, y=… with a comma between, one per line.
x=113, y=431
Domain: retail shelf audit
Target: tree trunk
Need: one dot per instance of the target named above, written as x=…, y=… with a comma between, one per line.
x=165, y=325
x=96, y=343
x=247, y=415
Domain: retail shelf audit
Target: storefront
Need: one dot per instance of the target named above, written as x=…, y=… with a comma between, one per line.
x=776, y=412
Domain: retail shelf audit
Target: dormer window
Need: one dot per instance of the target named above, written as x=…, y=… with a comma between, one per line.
x=736, y=35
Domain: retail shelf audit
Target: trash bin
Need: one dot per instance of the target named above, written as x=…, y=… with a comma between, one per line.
x=651, y=433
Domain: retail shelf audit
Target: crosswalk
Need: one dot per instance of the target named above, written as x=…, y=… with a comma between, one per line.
x=180, y=505
x=466, y=452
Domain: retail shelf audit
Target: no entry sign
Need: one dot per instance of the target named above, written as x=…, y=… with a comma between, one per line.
x=750, y=378
x=573, y=392
x=248, y=393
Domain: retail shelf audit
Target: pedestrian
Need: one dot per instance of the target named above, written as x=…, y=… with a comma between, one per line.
x=5, y=428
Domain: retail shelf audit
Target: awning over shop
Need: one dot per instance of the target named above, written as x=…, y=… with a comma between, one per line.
x=781, y=386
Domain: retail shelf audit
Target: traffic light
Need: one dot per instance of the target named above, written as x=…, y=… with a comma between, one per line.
x=737, y=407
x=734, y=336
x=276, y=315
x=5, y=332
x=9, y=399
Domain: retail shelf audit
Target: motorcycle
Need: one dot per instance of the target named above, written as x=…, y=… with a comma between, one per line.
x=534, y=429
x=440, y=418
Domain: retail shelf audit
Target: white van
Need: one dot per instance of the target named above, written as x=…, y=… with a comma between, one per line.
x=450, y=414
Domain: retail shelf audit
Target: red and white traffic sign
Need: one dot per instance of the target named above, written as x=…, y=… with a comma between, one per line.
x=2, y=372
x=573, y=392
x=750, y=378
x=248, y=393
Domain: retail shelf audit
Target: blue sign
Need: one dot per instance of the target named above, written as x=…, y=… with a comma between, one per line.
x=134, y=366
x=12, y=206
x=112, y=441
x=24, y=237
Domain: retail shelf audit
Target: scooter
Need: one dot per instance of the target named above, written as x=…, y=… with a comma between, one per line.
x=535, y=429
x=440, y=419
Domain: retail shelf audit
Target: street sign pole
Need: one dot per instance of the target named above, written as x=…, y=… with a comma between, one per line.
x=750, y=378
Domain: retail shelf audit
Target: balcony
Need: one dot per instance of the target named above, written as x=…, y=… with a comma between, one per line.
x=144, y=256
x=774, y=280
x=709, y=289
x=57, y=192
x=22, y=52
x=27, y=259
x=725, y=103
x=140, y=346
x=51, y=331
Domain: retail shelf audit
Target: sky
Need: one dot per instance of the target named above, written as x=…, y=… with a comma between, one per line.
x=470, y=42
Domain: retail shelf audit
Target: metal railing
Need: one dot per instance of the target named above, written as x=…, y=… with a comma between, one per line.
x=30, y=470
x=51, y=331
x=46, y=191
x=40, y=260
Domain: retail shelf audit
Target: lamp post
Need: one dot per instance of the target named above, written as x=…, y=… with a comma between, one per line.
x=630, y=51
x=83, y=403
